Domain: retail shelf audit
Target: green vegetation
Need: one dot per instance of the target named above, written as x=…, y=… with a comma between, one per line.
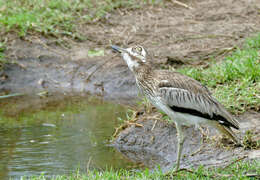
x=238, y=170
x=2, y=56
x=236, y=80
x=92, y=53
x=248, y=142
x=55, y=17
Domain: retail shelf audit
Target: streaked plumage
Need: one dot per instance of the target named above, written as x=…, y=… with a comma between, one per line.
x=185, y=100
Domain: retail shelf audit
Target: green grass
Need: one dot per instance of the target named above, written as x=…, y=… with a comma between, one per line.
x=239, y=170
x=2, y=56
x=55, y=17
x=236, y=80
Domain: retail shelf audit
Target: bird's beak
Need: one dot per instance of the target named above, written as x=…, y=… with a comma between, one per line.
x=118, y=49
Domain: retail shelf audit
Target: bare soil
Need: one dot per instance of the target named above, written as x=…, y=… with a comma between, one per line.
x=156, y=143
x=174, y=36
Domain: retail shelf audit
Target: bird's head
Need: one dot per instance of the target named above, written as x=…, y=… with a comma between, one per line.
x=133, y=56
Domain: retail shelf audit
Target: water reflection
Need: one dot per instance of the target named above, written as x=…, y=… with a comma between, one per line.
x=58, y=138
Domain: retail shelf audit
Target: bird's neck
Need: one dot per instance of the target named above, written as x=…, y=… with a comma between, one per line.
x=131, y=63
x=143, y=71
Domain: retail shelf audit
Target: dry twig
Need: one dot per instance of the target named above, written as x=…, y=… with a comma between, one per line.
x=209, y=176
x=181, y=4
x=198, y=150
x=136, y=124
x=186, y=170
x=89, y=160
x=239, y=159
x=154, y=124
x=118, y=129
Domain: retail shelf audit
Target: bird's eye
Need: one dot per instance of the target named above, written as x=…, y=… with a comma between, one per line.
x=139, y=49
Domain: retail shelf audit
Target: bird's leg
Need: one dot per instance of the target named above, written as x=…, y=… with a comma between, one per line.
x=180, y=144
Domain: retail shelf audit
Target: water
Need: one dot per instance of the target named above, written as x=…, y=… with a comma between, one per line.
x=57, y=136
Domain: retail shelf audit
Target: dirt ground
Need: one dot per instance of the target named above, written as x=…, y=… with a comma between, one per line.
x=173, y=35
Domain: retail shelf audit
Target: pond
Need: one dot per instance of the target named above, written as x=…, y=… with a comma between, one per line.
x=57, y=136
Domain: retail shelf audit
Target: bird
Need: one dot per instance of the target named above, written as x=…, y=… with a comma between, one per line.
x=185, y=100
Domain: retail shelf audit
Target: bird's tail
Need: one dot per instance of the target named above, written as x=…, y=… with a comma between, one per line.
x=227, y=131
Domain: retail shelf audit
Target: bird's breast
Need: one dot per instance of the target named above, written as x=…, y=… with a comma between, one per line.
x=146, y=88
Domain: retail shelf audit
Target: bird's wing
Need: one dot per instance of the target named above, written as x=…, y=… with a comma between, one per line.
x=184, y=94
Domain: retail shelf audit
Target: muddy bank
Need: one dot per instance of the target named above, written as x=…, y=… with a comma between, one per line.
x=172, y=34
x=156, y=144
x=43, y=70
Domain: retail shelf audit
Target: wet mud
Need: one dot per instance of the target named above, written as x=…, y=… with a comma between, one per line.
x=53, y=73
x=155, y=144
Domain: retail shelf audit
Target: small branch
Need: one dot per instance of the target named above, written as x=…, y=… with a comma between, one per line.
x=234, y=162
x=253, y=175
x=119, y=128
x=197, y=151
x=189, y=171
x=88, y=165
x=232, y=175
x=11, y=95
x=181, y=4
x=154, y=124
x=210, y=176
x=136, y=124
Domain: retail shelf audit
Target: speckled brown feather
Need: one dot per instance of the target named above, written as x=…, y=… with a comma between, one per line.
x=151, y=81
